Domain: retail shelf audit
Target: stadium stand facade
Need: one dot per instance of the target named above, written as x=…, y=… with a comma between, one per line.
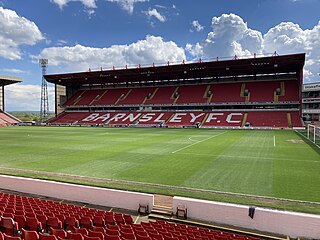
x=311, y=103
x=5, y=118
x=256, y=92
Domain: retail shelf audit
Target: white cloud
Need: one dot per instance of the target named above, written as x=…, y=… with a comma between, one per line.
x=81, y=58
x=21, y=97
x=14, y=32
x=231, y=36
x=86, y=3
x=154, y=13
x=61, y=42
x=286, y=37
x=13, y=70
x=196, y=26
x=127, y=5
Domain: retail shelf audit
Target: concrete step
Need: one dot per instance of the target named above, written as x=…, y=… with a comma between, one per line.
x=158, y=207
x=159, y=216
x=162, y=212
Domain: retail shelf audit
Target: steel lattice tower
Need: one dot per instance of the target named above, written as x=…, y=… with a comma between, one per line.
x=44, y=108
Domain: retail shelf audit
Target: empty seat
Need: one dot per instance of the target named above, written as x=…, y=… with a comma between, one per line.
x=112, y=232
x=21, y=220
x=127, y=219
x=109, y=220
x=53, y=222
x=112, y=237
x=83, y=231
x=58, y=232
x=91, y=238
x=99, y=221
x=43, y=236
x=61, y=218
x=129, y=236
x=33, y=224
x=8, y=226
x=141, y=233
x=140, y=237
x=71, y=221
x=99, y=229
x=43, y=220
x=156, y=236
x=8, y=215
x=7, y=237
x=29, y=235
x=96, y=234
x=113, y=227
x=86, y=222
x=74, y=236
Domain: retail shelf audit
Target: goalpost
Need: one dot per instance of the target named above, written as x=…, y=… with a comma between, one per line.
x=313, y=134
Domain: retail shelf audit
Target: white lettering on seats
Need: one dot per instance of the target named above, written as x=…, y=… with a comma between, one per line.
x=229, y=118
x=131, y=117
x=177, y=117
x=90, y=117
x=103, y=118
x=213, y=116
x=158, y=119
x=147, y=117
x=117, y=117
x=194, y=117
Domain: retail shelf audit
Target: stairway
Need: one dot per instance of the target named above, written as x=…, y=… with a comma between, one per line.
x=161, y=212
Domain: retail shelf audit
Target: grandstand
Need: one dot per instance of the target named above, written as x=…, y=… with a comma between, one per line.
x=5, y=118
x=256, y=92
x=240, y=93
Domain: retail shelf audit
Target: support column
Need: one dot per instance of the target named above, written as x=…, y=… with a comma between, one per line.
x=2, y=97
x=60, y=98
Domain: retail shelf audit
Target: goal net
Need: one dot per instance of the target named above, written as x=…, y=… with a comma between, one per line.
x=313, y=134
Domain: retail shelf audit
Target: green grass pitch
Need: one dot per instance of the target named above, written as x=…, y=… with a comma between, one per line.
x=267, y=163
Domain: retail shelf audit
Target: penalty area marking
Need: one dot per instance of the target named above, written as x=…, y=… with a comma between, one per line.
x=190, y=145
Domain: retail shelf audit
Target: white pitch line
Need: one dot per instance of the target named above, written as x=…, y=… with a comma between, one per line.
x=198, y=142
x=274, y=141
x=250, y=157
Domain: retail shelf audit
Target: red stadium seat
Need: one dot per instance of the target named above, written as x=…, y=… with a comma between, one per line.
x=74, y=236
x=29, y=235
x=112, y=237
x=53, y=222
x=8, y=226
x=8, y=237
x=58, y=232
x=32, y=224
x=43, y=236
x=83, y=231
x=86, y=222
x=91, y=238
x=98, y=221
x=96, y=234
x=71, y=221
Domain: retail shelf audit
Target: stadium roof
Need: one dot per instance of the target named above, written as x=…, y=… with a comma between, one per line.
x=7, y=80
x=200, y=70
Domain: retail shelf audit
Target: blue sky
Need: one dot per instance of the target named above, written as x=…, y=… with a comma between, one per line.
x=76, y=35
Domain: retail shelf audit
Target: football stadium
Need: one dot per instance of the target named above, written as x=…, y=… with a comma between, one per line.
x=210, y=150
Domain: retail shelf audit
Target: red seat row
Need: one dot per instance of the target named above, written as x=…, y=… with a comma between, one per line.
x=260, y=91
x=95, y=225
